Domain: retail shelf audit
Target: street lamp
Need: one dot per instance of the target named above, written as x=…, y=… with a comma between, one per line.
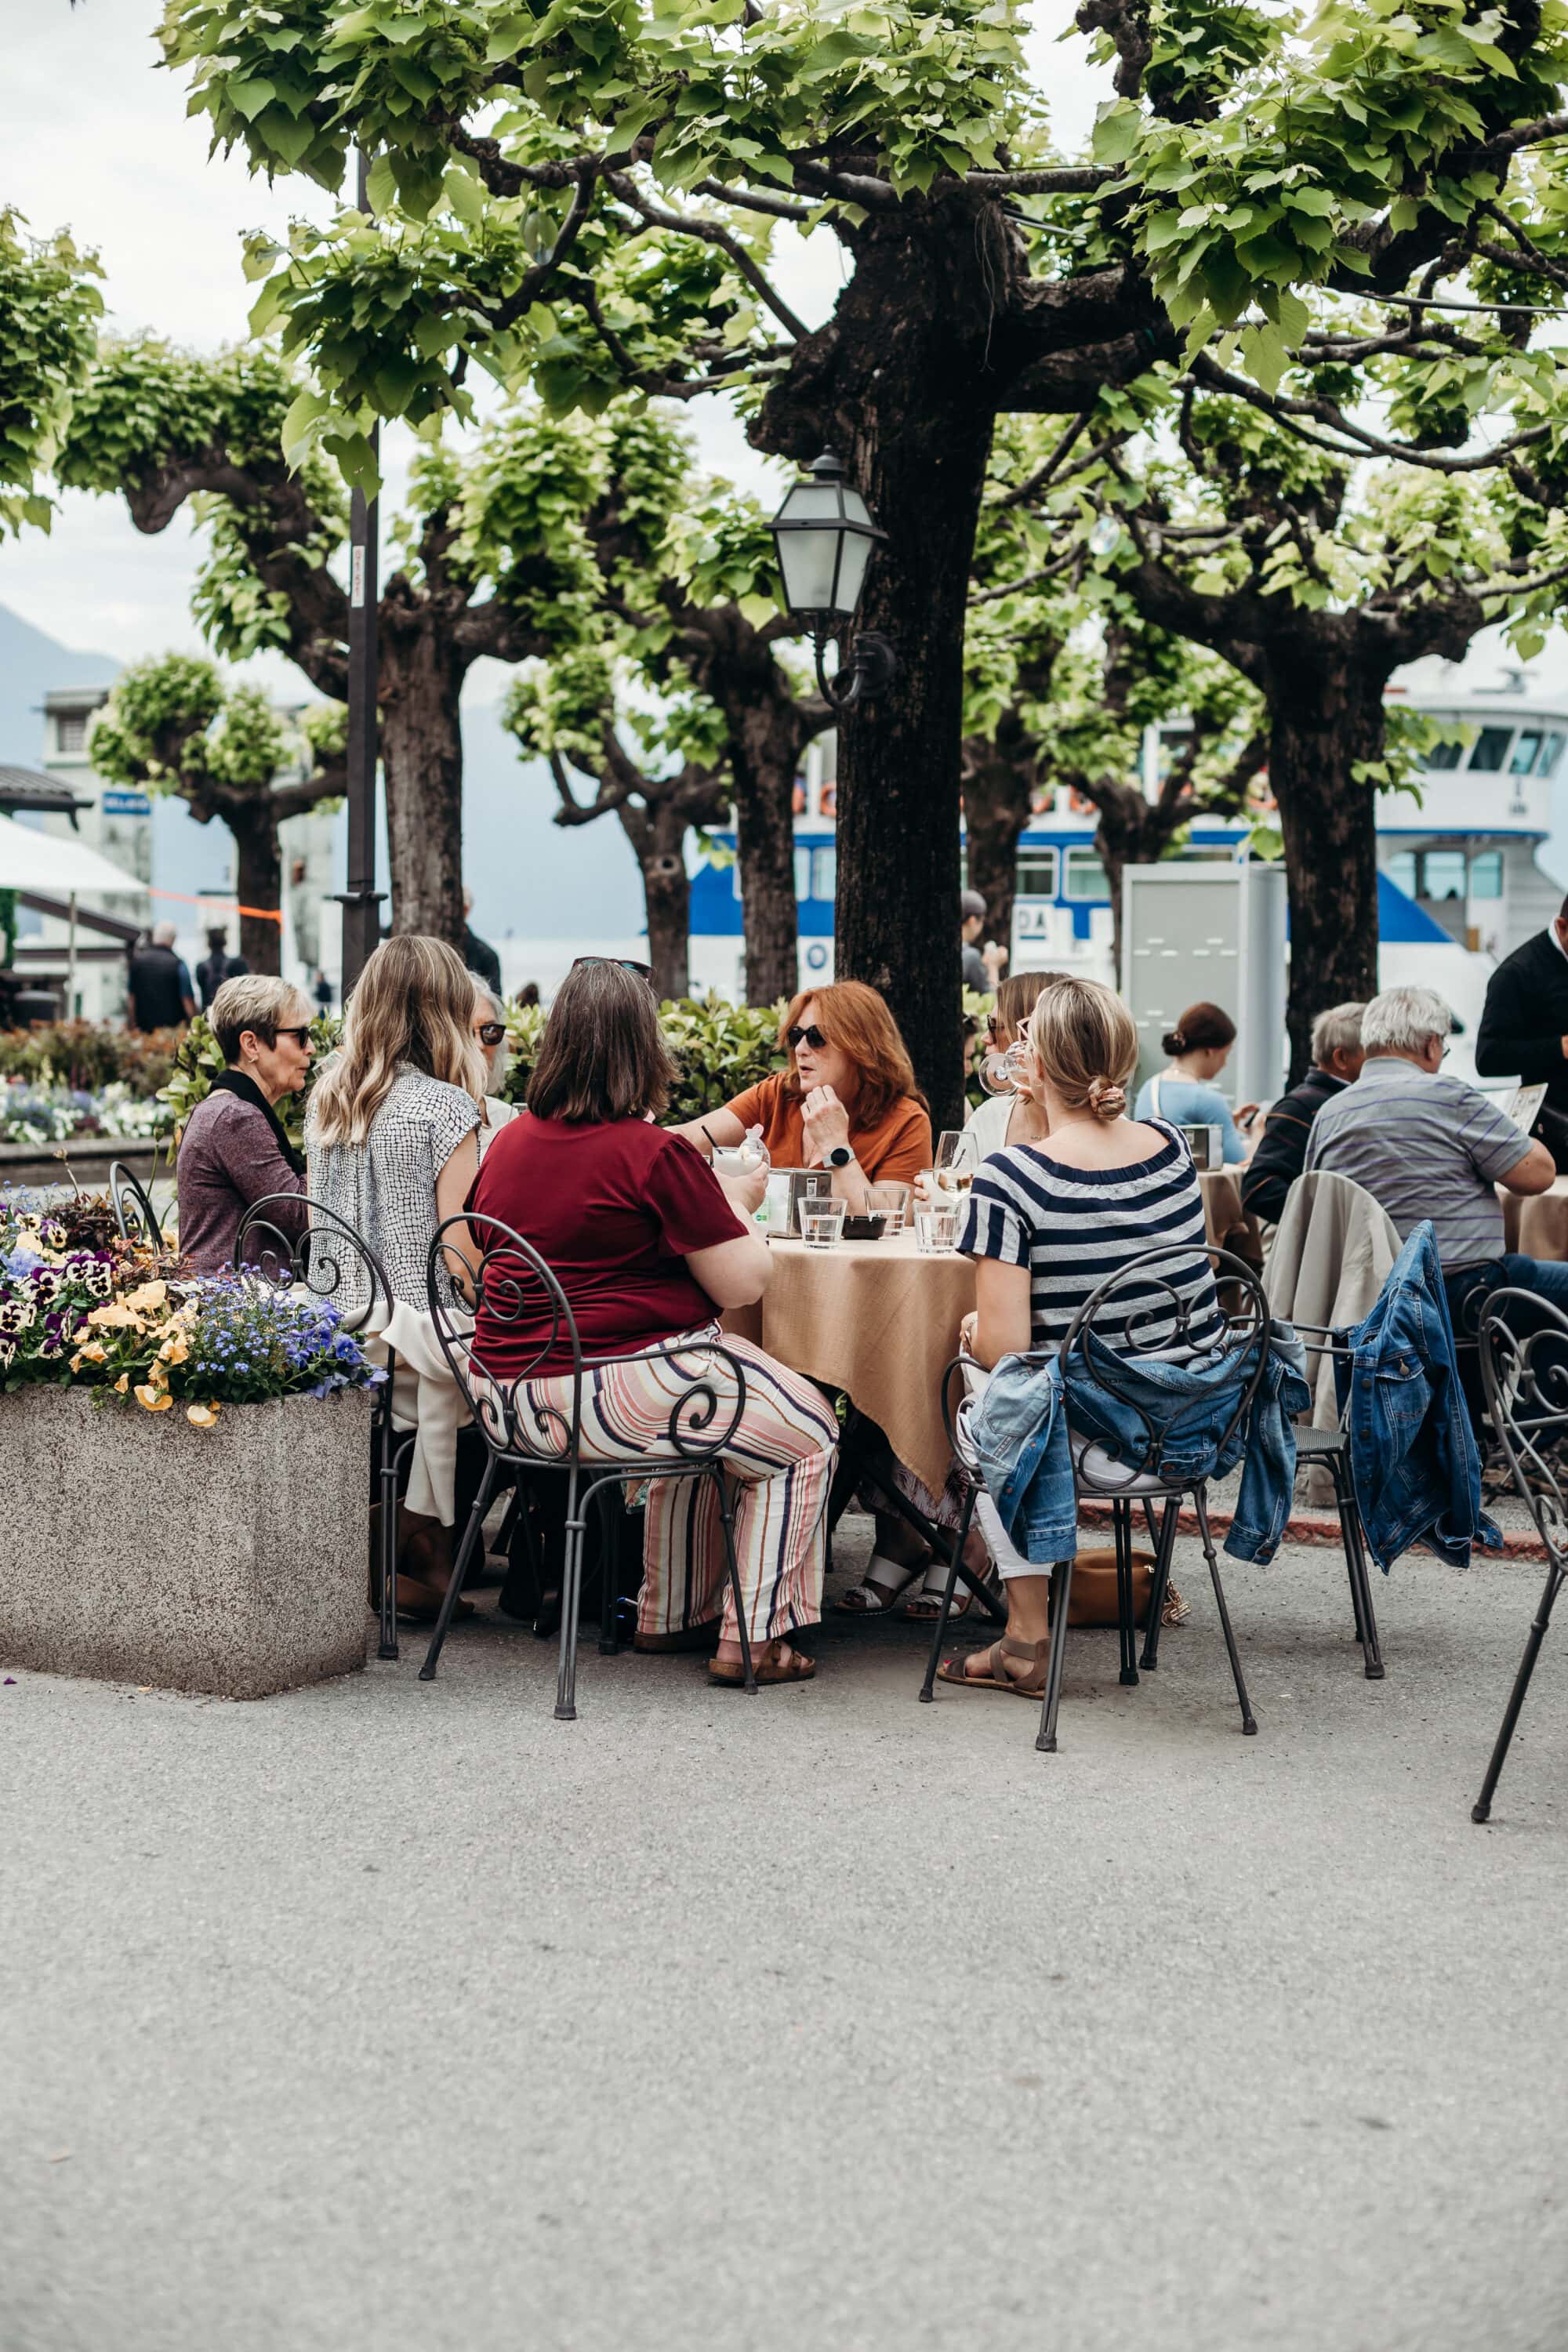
x=825, y=534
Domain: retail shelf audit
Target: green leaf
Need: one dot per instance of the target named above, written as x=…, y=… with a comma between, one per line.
x=381, y=184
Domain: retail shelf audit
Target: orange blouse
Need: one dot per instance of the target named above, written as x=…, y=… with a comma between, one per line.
x=893, y=1152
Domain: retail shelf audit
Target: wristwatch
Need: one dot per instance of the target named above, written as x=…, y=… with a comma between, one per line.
x=839, y=1157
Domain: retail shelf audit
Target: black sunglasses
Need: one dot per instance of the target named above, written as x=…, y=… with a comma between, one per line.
x=491, y=1032
x=643, y=971
x=799, y=1036
x=302, y=1033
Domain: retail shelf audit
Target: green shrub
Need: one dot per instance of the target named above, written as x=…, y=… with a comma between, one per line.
x=85, y=1055
x=719, y=1050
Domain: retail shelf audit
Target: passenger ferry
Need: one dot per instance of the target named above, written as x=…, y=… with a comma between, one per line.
x=1458, y=886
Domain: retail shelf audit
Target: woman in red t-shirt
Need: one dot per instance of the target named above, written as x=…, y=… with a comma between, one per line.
x=647, y=1245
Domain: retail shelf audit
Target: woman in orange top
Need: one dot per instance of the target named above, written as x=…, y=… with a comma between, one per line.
x=849, y=1104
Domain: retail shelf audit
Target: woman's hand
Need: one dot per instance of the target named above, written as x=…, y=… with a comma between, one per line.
x=966, y=1332
x=1247, y=1113
x=745, y=1193
x=825, y=1122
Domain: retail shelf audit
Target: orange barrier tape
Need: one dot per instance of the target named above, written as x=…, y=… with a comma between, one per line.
x=218, y=905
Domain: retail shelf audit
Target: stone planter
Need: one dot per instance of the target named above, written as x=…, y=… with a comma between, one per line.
x=136, y=1548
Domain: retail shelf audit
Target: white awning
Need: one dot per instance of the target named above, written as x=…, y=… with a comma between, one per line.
x=55, y=865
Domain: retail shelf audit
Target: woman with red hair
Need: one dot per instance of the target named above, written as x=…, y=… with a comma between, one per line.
x=849, y=1102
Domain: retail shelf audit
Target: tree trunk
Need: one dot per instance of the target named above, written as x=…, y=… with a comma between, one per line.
x=764, y=755
x=1326, y=716
x=657, y=835
x=998, y=780
x=258, y=882
x=422, y=759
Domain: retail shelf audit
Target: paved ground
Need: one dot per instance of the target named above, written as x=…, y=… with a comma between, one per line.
x=400, y=2017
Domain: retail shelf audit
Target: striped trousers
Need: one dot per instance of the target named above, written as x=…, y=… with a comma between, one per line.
x=779, y=1464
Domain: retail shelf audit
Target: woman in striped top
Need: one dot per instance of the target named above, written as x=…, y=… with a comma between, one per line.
x=1048, y=1222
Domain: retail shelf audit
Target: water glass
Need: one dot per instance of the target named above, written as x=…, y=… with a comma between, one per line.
x=936, y=1230
x=891, y=1201
x=821, y=1223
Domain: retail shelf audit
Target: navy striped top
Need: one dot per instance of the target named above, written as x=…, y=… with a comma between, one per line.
x=1073, y=1227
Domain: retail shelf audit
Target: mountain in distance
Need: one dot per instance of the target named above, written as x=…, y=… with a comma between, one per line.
x=31, y=663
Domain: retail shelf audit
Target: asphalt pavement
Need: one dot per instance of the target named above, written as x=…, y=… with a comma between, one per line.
x=399, y=2016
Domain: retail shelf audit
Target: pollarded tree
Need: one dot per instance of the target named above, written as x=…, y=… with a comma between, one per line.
x=584, y=197
x=49, y=311
x=173, y=725
x=566, y=713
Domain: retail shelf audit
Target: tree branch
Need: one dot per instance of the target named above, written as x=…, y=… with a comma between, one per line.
x=709, y=233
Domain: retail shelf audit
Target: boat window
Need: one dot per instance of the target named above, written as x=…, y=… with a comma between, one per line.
x=1551, y=752
x=1086, y=876
x=802, y=875
x=824, y=874
x=1443, y=756
x=1036, y=874
x=1491, y=748
x=1486, y=875
x=1442, y=873
x=1400, y=872
x=1524, y=752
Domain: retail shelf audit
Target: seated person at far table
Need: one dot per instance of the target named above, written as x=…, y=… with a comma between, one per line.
x=1279, y=1151
x=234, y=1150
x=849, y=1102
x=1426, y=1145
x=1199, y=1046
x=1013, y=1115
x=1048, y=1222
x=645, y=1243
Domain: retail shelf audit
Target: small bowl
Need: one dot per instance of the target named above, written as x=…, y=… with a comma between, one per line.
x=869, y=1228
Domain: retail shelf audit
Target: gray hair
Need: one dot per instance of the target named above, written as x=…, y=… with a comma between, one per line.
x=1337, y=1031
x=258, y=1000
x=164, y=935
x=1402, y=1019
x=496, y=1077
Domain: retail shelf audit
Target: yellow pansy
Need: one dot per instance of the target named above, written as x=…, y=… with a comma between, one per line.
x=155, y=1399
x=200, y=1416
x=150, y=1293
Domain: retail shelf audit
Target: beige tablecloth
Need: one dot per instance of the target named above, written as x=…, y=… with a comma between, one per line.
x=876, y=1319
x=1538, y=1226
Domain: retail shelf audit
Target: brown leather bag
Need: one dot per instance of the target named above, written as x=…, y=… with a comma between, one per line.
x=1092, y=1598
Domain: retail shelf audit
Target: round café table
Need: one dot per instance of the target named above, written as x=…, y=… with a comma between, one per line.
x=876, y=1320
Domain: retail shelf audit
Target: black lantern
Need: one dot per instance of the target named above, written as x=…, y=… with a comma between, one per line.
x=825, y=534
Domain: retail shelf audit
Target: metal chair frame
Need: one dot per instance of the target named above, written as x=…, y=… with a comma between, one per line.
x=125, y=1187
x=1331, y=1448
x=1249, y=1325
x=286, y=1259
x=506, y=1275
x=1528, y=1402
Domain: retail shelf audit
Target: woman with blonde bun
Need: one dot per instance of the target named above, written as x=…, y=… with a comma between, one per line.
x=1048, y=1222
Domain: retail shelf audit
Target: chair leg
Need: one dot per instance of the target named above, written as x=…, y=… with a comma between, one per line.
x=1356, y=1568
x=1126, y=1630
x=571, y=1596
x=1061, y=1595
x=1481, y=1810
x=1160, y=1583
x=611, y=1514
x=472, y=1536
x=1201, y=1503
x=386, y=1484
x=732, y=1562
x=939, y=1631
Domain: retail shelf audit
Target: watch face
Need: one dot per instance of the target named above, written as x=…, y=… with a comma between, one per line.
x=840, y=1156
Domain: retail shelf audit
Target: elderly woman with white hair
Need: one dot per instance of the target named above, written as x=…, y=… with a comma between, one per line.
x=490, y=1037
x=234, y=1149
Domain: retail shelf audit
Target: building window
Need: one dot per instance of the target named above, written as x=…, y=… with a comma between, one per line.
x=1551, y=752
x=802, y=875
x=824, y=874
x=1442, y=873
x=1443, y=756
x=1037, y=877
x=1491, y=750
x=70, y=731
x=1486, y=875
x=1400, y=872
x=1524, y=752
x=1086, y=876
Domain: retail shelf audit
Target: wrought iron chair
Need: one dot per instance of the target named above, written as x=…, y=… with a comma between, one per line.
x=330, y=1257
x=477, y=1264
x=134, y=1211
x=1134, y=1300
x=1329, y=1448
x=1524, y=1371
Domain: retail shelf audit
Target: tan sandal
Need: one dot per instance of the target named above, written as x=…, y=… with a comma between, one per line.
x=769, y=1665
x=998, y=1677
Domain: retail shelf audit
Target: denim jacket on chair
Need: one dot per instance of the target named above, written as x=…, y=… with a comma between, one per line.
x=1020, y=1435
x=1414, y=1459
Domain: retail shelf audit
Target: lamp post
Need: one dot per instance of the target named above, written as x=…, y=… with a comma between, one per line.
x=360, y=902
x=824, y=533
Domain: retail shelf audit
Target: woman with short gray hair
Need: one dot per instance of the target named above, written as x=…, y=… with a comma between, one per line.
x=491, y=1037
x=234, y=1150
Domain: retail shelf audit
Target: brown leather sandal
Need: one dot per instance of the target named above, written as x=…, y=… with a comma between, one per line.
x=769, y=1665
x=1030, y=1684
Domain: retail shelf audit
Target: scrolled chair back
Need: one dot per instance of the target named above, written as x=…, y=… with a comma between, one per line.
x=134, y=1211
x=1525, y=1376
x=479, y=1265
x=1152, y=1317
x=331, y=1258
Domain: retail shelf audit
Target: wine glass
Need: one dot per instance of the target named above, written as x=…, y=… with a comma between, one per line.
x=955, y=1162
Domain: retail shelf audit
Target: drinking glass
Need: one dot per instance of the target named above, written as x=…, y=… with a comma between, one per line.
x=821, y=1223
x=936, y=1230
x=891, y=1201
x=956, y=1160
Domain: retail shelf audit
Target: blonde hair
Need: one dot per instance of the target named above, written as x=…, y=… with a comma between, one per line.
x=412, y=1009
x=1085, y=1045
x=258, y=1001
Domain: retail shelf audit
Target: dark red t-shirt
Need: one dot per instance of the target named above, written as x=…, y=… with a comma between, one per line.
x=613, y=1208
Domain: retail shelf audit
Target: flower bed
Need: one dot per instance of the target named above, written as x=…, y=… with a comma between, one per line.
x=41, y=1115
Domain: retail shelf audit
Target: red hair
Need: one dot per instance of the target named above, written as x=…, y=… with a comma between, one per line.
x=856, y=1020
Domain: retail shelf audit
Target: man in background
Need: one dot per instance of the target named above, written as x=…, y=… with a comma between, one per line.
x=981, y=972
x=159, y=993
x=217, y=965
x=1524, y=1026
x=479, y=954
x=1278, y=1156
